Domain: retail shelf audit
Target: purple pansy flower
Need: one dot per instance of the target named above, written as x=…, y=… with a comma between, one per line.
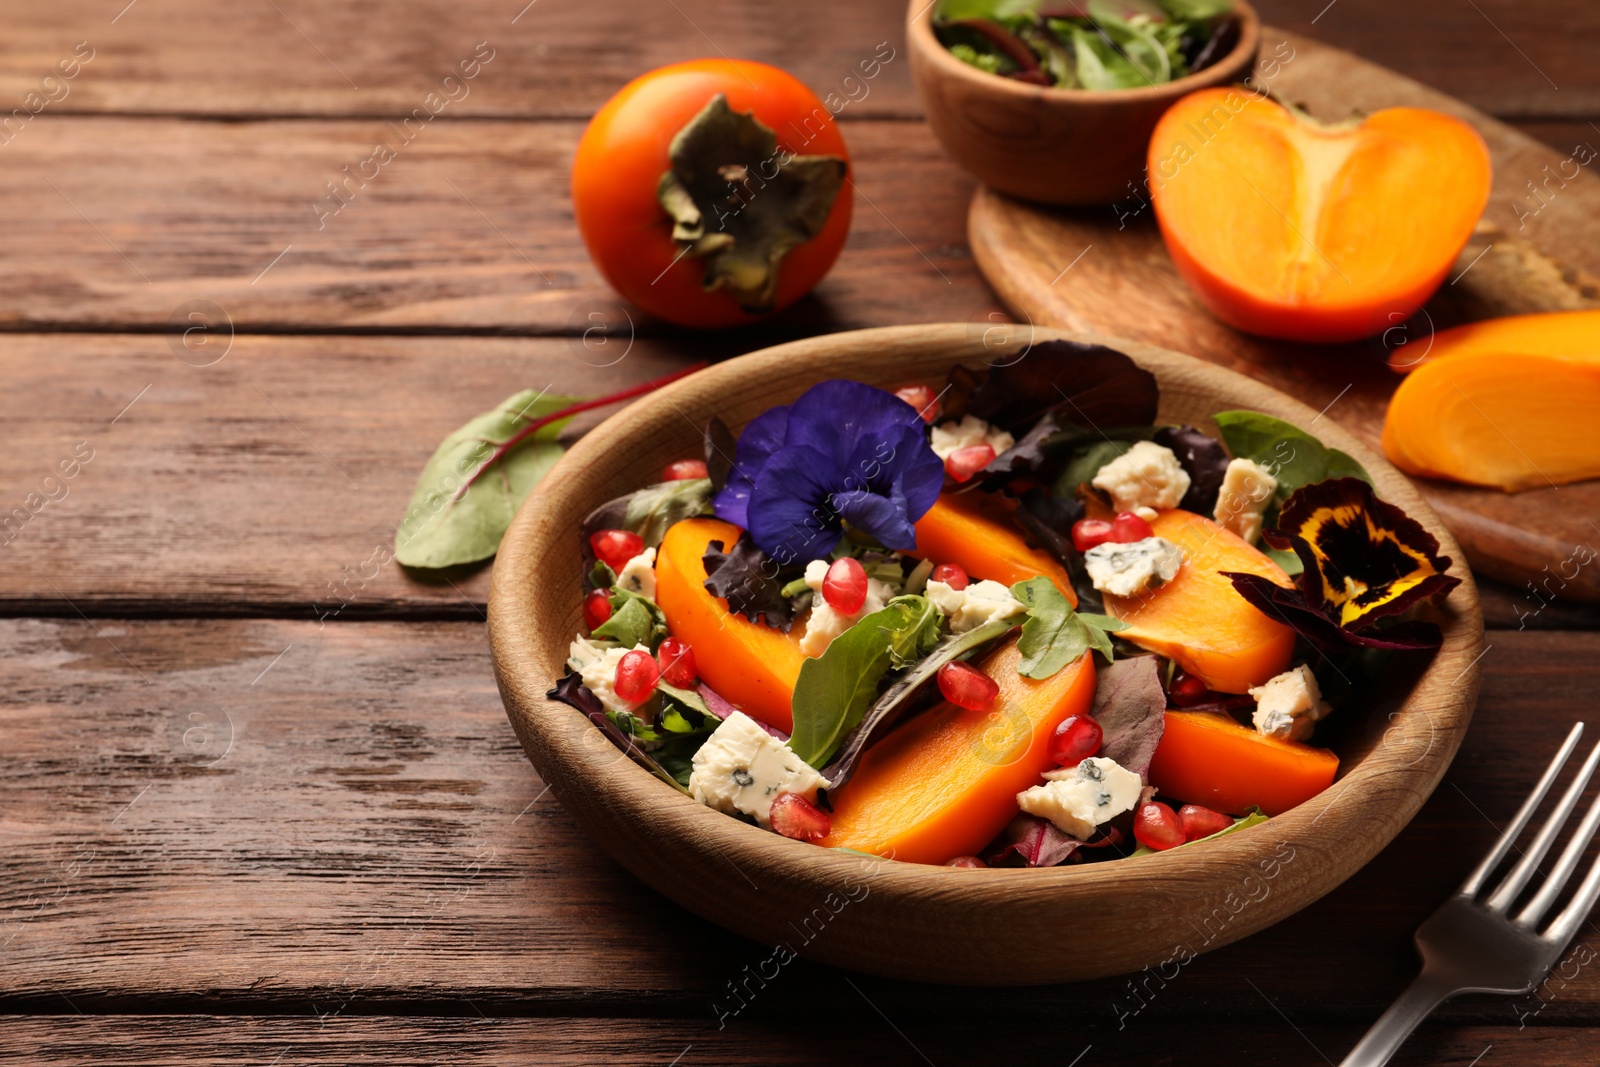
x=844, y=452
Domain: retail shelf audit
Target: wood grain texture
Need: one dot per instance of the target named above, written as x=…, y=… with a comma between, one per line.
x=117, y=223
x=563, y=58
x=983, y=927
x=363, y=842
x=271, y=480
x=551, y=58
x=1528, y=255
x=1264, y=1041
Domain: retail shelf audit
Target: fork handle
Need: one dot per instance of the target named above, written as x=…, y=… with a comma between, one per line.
x=1425, y=993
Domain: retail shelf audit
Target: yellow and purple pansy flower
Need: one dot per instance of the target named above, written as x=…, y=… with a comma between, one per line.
x=1366, y=561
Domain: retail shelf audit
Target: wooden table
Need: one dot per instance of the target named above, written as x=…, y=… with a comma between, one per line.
x=259, y=802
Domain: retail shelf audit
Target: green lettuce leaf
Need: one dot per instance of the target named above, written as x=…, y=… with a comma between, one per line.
x=635, y=620
x=440, y=530
x=1053, y=635
x=836, y=688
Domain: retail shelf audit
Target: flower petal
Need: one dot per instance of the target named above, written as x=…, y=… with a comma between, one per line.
x=764, y=436
x=1289, y=607
x=1364, y=558
x=791, y=519
x=837, y=417
x=884, y=517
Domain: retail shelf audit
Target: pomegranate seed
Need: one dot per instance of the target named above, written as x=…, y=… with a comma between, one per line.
x=677, y=663
x=1075, y=740
x=1127, y=528
x=596, y=607
x=845, y=586
x=1187, y=690
x=1157, y=826
x=924, y=399
x=636, y=677
x=963, y=463
x=967, y=687
x=795, y=816
x=950, y=575
x=684, y=469
x=966, y=861
x=1086, y=533
x=615, y=548
x=1201, y=822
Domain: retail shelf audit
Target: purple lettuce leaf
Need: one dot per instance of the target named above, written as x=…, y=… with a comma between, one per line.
x=1205, y=460
x=1130, y=706
x=1029, y=841
x=1087, y=385
x=750, y=581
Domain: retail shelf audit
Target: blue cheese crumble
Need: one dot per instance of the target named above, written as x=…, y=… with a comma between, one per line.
x=741, y=769
x=1078, y=799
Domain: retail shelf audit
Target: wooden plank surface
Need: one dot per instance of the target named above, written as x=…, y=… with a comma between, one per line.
x=1264, y=1040
x=118, y=223
x=272, y=816
x=181, y=509
x=563, y=58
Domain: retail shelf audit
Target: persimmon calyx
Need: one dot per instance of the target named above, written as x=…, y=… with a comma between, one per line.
x=740, y=203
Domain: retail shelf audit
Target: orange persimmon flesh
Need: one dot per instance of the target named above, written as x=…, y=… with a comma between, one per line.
x=1288, y=228
x=1552, y=333
x=945, y=783
x=751, y=665
x=1209, y=759
x=1510, y=420
x=1198, y=619
x=976, y=533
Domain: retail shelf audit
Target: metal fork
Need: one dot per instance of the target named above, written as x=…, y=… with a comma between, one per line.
x=1473, y=945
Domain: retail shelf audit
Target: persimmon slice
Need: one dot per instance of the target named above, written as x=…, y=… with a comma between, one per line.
x=1289, y=228
x=1551, y=333
x=752, y=666
x=1198, y=619
x=946, y=782
x=1511, y=420
x=975, y=532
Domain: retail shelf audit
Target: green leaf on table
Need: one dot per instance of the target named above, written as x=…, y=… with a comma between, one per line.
x=442, y=529
x=1053, y=635
x=835, y=689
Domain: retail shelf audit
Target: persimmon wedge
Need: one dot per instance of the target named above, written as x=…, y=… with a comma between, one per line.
x=945, y=783
x=1553, y=333
x=751, y=665
x=1209, y=759
x=1510, y=420
x=976, y=533
x=1198, y=619
x=1289, y=228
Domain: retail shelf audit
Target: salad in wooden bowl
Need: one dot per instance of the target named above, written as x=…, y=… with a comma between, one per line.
x=914, y=653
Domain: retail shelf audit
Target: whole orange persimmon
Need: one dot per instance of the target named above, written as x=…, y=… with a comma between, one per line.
x=713, y=192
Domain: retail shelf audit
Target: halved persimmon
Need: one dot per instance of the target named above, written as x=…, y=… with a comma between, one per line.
x=1287, y=227
x=751, y=665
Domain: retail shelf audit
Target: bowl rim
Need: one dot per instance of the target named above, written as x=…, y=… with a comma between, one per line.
x=920, y=39
x=557, y=737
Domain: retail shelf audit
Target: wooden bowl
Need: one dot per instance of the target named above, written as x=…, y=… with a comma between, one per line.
x=991, y=927
x=1056, y=146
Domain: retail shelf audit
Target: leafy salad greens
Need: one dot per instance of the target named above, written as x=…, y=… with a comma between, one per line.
x=1097, y=44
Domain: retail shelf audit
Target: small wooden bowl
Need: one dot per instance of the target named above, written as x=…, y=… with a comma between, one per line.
x=991, y=927
x=1055, y=146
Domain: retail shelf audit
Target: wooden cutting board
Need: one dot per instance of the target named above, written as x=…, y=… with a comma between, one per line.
x=1105, y=270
